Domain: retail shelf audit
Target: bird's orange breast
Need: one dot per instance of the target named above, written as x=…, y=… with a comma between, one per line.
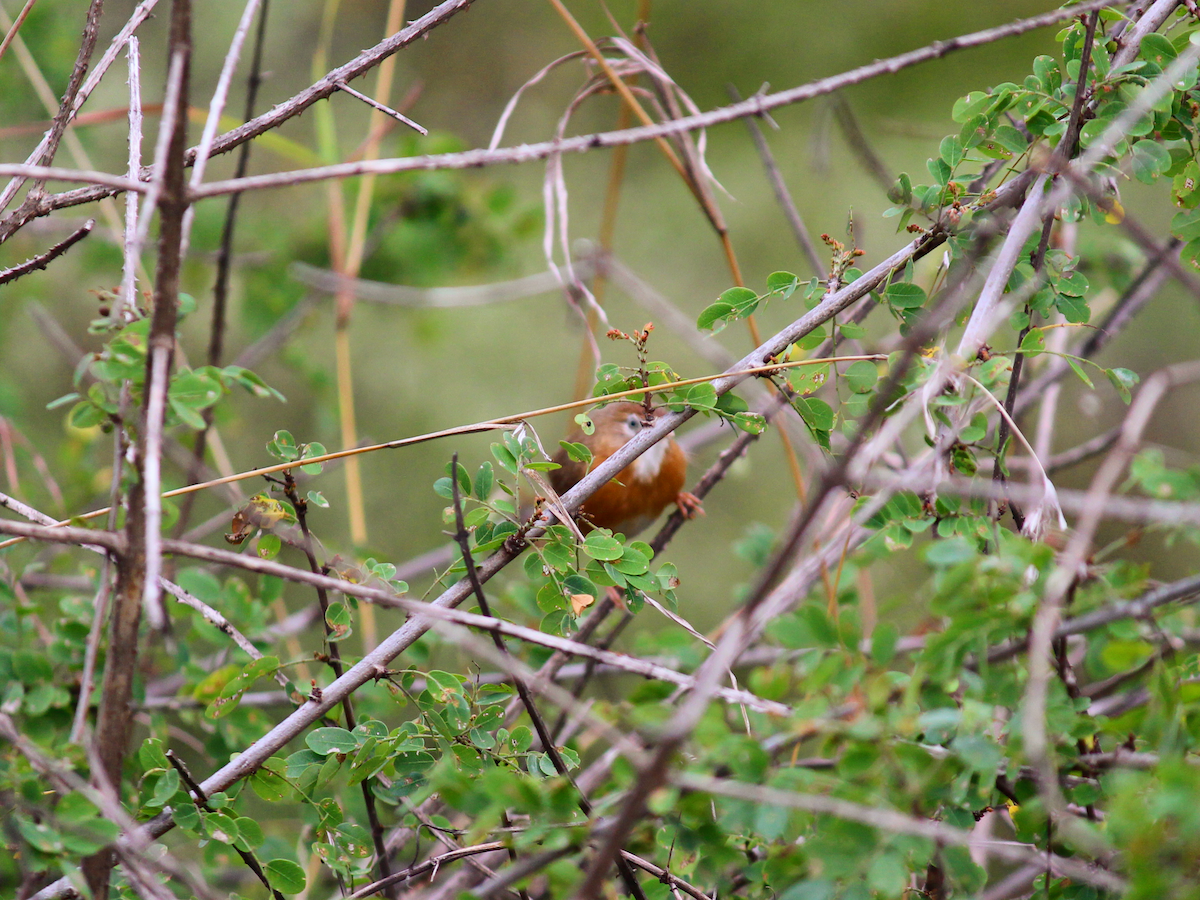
x=628, y=503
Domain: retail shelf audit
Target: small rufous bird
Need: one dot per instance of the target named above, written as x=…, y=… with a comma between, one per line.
x=643, y=489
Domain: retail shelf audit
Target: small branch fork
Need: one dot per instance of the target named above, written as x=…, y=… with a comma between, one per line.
x=386, y=110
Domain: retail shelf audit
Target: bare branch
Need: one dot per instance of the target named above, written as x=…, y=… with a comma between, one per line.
x=434, y=863
x=326, y=86
x=53, y=173
x=16, y=26
x=44, y=259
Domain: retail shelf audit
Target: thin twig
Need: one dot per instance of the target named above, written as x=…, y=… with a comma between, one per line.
x=16, y=26
x=201, y=801
x=1063, y=153
x=386, y=110
x=782, y=195
x=44, y=259
x=858, y=142
x=434, y=863
x=66, y=109
x=125, y=307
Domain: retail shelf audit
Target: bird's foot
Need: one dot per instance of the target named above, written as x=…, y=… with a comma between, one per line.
x=689, y=505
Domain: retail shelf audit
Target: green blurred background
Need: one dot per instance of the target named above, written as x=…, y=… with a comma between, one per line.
x=421, y=370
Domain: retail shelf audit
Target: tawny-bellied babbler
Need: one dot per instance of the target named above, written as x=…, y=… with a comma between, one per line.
x=640, y=491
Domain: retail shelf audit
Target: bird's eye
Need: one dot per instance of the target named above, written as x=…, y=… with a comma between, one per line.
x=634, y=422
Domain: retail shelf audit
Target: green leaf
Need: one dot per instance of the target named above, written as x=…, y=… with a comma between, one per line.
x=1078, y=370
x=1186, y=225
x=713, y=314
x=782, y=283
x=949, y=552
x=951, y=151
x=883, y=643
x=601, y=546
x=464, y=478
x=63, y=400
x=973, y=132
x=971, y=105
x=976, y=431
x=164, y=790
x=861, y=376
x=86, y=415
x=904, y=295
x=285, y=876
x=1123, y=380
x=979, y=753
x=1150, y=160
x=40, y=835
x=185, y=414
x=742, y=299
x=251, y=382
x=311, y=450
x=632, y=562
x=577, y=451
x=812, y=340
x=1010, y=139
x=485, y=479
x=1185, y=189
x=268, y=546
x=507, y=461
x=338, y=620
x=1072, y=283
x=1034, y=342
x=701, y=396
x=852, y=332
x=220, y=827
x=807, y=379
x=269, y=785
x=283, y=446
x=1074, y=309
x=901, y=192
x=316, y=498
x=940, y=171
x=816, y=413
x=195, y=390
x=250, y=833
x=331, y=740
